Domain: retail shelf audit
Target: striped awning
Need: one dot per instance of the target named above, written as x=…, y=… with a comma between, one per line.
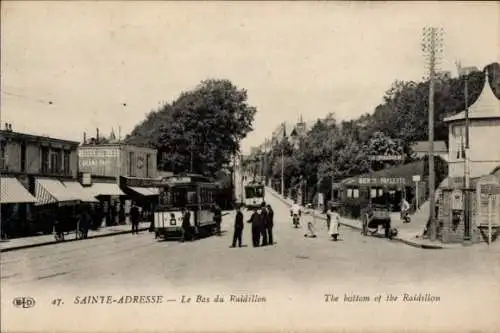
x=84, y=194
x=12, y=191
x=111, y=189
x=145, y=191
x=49, y=191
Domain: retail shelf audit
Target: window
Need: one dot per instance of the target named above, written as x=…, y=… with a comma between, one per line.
x=55, y=162
x=355, y=193
x=45, y=159
x=3, y=160
x=66, y=167
x=131, y=163
x=349, y=192
x=23, y=157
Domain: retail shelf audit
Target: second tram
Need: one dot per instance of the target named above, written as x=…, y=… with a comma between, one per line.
x=254, y=195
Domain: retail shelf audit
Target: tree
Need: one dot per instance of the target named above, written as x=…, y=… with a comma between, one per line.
x=201, y=130
x=382, y=145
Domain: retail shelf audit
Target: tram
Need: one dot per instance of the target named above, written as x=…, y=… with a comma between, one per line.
x=195, y=193
x=254, y=195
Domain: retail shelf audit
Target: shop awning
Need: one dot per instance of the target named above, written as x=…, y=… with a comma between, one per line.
x=396, y=176
x=49, y=191
x=12, y=191
x=79, y=191
x=145, y=191
x=111, y=189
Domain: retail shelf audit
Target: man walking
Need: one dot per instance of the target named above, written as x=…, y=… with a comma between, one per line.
x=186, y=225
x=263, y=228
x=134, y=218
x=270, y=224
x=238, y=228
x=257, y=221
x=217, y=219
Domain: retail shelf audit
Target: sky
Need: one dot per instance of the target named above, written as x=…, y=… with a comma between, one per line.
x=107, y=64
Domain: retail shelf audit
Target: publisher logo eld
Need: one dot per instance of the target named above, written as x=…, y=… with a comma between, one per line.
x=24, y=302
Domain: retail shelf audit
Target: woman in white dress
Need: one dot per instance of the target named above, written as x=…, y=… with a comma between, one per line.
x=334, y=219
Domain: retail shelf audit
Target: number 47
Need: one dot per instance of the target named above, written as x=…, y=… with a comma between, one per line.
x=57, y=301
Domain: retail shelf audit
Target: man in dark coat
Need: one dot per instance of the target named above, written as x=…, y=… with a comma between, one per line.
x=257, y=224
x=186, y=225
x=217, y=219
x=270, y=224
x=265, y=222
x=134, y=218
x=238, y=228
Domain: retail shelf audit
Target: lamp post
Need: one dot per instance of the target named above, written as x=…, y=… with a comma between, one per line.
x=466, y=202
x=432, y=46
x=283, y=162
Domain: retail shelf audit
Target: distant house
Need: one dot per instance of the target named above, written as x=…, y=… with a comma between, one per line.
x=421, y=149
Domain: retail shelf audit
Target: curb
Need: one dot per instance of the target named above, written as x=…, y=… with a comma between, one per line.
x=27, y=246
x=398, y=239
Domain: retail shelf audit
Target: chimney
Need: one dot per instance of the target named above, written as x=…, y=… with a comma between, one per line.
x=84, y=137
x=10, y=127
x=97, y=135
x=6, y=126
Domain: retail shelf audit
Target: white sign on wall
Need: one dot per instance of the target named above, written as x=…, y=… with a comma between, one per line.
x=457, y=201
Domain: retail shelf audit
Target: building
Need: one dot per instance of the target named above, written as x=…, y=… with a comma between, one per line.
x=38, y=181
x=117, y=174
x=484, y=161
x=484, y=135
x=421, y=149
x=117, y=159
x=443, y=75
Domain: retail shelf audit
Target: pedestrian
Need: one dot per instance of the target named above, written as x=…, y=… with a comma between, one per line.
x=311, y=230
x=333, y=228
x=186, y=225
x=134, y=218
x=238, y=228
x=270, y=224
x=263, y=228
x=257, y=222
x=217, y=219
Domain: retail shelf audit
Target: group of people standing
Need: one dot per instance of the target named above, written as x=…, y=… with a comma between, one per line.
x=262, y=221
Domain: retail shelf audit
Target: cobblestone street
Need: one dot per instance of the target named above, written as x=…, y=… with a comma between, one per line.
x=295, y=272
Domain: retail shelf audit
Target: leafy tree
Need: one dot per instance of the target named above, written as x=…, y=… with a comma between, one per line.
x=201, y=130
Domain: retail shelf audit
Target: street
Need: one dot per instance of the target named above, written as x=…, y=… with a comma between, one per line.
x=293, y=272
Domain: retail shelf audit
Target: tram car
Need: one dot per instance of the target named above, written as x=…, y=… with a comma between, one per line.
x=196, y=194
x=254, y=195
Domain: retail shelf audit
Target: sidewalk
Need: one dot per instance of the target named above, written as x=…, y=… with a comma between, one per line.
x=409, y=234
x=34, y=241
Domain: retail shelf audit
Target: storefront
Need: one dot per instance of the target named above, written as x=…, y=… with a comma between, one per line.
x=16, y=204
x=142, y=191
x=484, y=210
x=111, y=207
x=55, y=204
x=384, y=187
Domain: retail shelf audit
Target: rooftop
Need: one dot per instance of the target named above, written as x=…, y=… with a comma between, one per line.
x=35, y=138
x=487, y=105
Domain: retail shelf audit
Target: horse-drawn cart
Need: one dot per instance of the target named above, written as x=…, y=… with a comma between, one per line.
x=375, y=216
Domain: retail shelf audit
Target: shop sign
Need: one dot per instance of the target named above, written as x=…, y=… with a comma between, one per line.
x=381, y=181
x=386, y=158
x=98, y=152
x=86, y=179
x=457, y=201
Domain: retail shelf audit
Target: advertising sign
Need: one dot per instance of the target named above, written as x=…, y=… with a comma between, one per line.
x=457, y=201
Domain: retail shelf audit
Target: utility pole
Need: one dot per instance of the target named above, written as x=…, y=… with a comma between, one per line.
x=432, y=46
x=283, y=163
x=333, y=164
x=467, y=217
